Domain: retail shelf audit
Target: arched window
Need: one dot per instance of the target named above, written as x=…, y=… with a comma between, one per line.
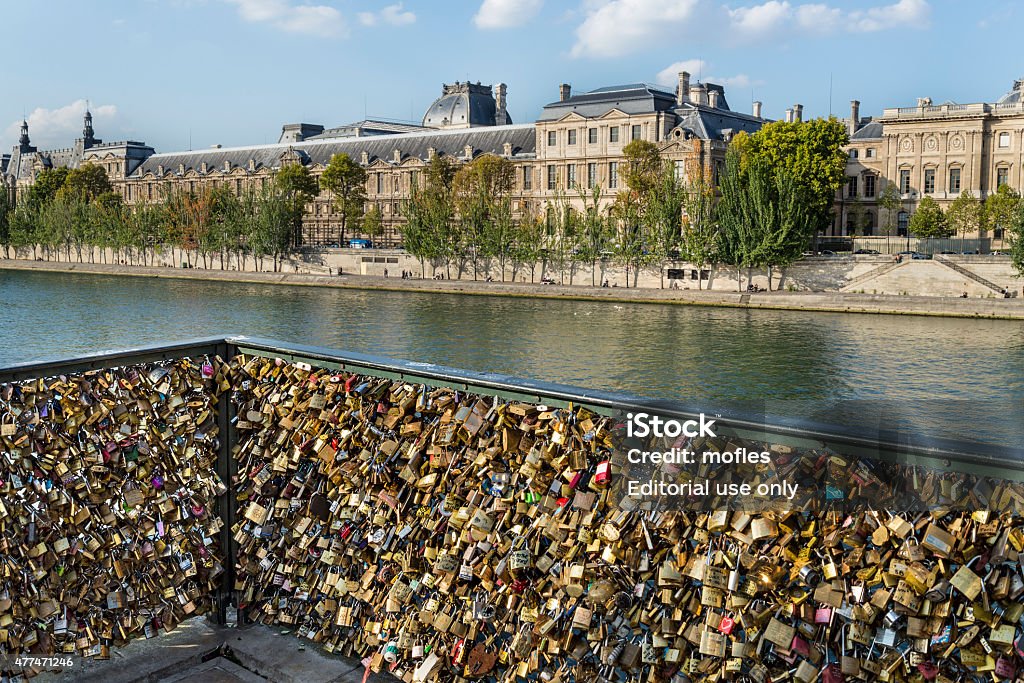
x=902, y=223
x=868, y=227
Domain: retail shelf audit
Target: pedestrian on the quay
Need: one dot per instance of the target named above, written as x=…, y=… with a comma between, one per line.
x=385, y=272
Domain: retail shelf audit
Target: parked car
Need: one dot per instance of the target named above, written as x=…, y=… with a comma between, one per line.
x=360, y=244
x=826, y=252
x=866, y=251
x=947, y=251
x=918, y=256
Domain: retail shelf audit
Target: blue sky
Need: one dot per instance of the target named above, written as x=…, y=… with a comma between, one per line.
x=233, y=71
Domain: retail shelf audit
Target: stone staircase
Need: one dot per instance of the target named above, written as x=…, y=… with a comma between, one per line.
x=870, y=275
x=968, y=274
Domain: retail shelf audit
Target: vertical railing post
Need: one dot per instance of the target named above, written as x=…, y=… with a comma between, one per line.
x=227, y=468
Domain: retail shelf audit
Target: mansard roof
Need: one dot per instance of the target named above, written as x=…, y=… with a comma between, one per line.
x=632, y=98
x=869, y=131
x=490, y=139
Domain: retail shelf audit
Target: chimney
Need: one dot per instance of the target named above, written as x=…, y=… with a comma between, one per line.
x=789, y=116
x=699, y=94
x=798, y=113
x=564, y=92
x=757, y=109
x=683, y=89
x=854, y=116
x=500, y=112
x=713, y=99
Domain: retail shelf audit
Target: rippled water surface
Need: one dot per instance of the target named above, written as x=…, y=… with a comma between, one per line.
x=947, y=377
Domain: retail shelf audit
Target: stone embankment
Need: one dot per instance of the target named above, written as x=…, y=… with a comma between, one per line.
x=838, y=302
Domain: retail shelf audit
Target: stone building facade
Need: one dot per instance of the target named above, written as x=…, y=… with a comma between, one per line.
x=575, y=145
x=936, y=150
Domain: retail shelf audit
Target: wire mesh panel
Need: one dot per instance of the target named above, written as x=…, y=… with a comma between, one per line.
x=109, y=525
x=446, y=534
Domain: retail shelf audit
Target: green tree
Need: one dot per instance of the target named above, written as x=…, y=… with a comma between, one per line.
x=596, y=230
x=890, y=200
x=642, y=168
x=430, y=232
x=46, y=186
x=345, y=180
x=528, y=247
x=965, y=215
x=1016, y=237
x=811, y=152
x=373, y=225
x=479, y=188
x=664, y=215
x=298, y=187
x=6, y=211
x=700, y=230
x=88, y=182
x=1001, y=208
x=929, y=221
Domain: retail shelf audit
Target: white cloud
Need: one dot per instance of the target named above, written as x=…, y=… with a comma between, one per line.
x=698, y=69
x=616, y=27
x=506, y=13
x=777, y=16
x=670, y=74
x=818, y=18
x=765, y=18
x=49, y=128
x=913, y=13
x=393, y=15
x=318, y=20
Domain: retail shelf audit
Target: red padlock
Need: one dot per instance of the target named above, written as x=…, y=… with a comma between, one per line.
x=1005, y=668
x=833, y=674
x=726, y=625
x=603, y=474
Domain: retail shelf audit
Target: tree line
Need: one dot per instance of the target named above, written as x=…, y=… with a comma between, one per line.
x=761, y=209
x=76, y=214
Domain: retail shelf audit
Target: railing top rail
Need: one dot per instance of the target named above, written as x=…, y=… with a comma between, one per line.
x=113, y=358
x=980, y=454
x=897, y=442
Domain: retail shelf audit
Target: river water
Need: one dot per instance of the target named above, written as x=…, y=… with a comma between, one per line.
x=948, y=377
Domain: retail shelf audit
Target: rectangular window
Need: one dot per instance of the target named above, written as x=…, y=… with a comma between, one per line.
x=613, y=134
x=572, y=137
x=527, y=177
x=552, y=177
x=680, y=170
x=851, y=186
x=954, y=180
x=380, y=183
x=853, y=154
x=613, y=174
x=570, y=175
x=591, y=175
x=869, y=186
x=929, y=181
x=592, y=136
x=149, y=190
x=869, y=153
x=636, y=133
x=552, y=138
x=905, y=181
x=1004, y=140
x=1002, y=177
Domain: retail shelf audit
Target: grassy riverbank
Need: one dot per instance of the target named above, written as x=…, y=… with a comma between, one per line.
x=836, y=302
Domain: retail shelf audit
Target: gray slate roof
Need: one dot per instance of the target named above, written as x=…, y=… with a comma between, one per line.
x=365, y=127
x=632, y=98
x=869, y=131
x=450, y=142
x=643, y=98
